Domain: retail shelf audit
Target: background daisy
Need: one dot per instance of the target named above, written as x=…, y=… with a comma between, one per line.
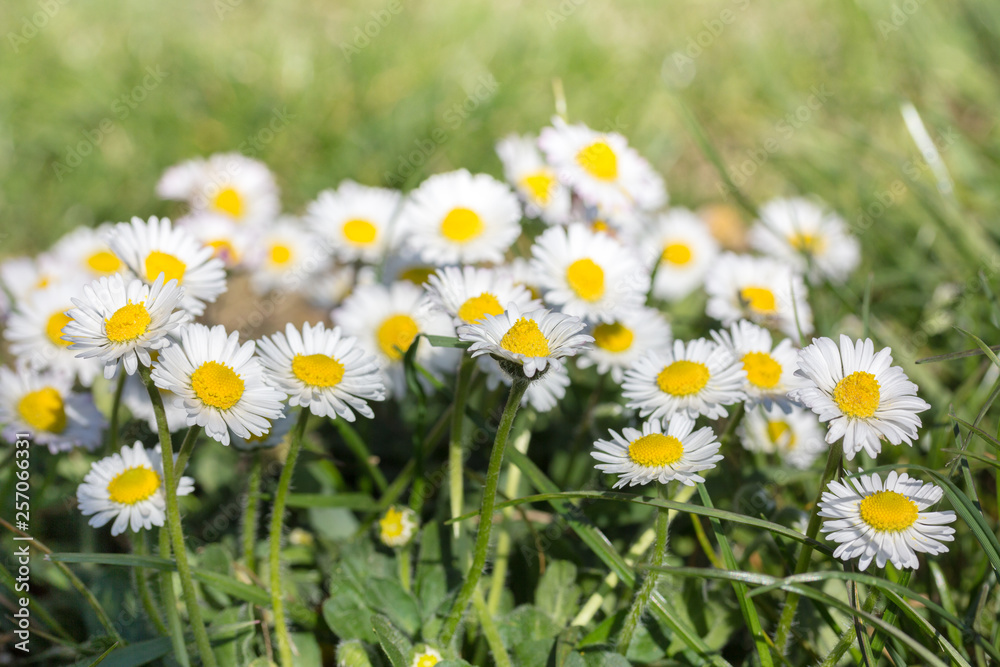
x=536, y=183
x=796, y=436
x=622, y=342
x=770, y=369
x=44, y=405
x=682, y=252
x=285, y=256
x=356, y=220
x=469, y=294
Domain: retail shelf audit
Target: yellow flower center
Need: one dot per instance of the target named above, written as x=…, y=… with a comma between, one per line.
x=857, y=395
x=478, y=307
x=683, y=378
x=599, y=161
x=525, y=338
x=396, y=334
x=217, y=385
x=160, y=262
x=133, y=485
x=417, y=275
x=655, y=450
x=229, y=201
x=614, y=337
x=676, y=253
x=359, y=231
x=600, y=226
x=586, y=278
x=103, y=262
x=539, y=184
x=427, y=660
x=317, y=370
x=762, y=370
x=128, y=323
x=759, y=299
x=806, y=242
x=54, y=327
x=888, y=511
x=223, y=249
x=44, y=410
x=461, y=225
x=280, y=254
x=392, y=523
x=776, y=430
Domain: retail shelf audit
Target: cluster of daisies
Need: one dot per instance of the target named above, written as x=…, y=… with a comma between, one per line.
x=571, y=265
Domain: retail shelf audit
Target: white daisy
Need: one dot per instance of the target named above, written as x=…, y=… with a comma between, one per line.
x=285, y=256
x=43, y=405
x=468, y=294
x=87, y=250
x=796, y=436
x=35, y=333
x=619, y=344
x=681, y=249
x=885, y=523
x=24, y=276
x=770, y=369
x=228, y=184
x=808, y=236
x=127, y=487
x=525, y=343
x=655, y=455
x=397, y=526
x=461, y=218
x=694, y=378
x=322, y=370
x=228, y=240
x=123, y=321
x=766, y=291
x=273, y=437
x=356, y=220
x=386, y=321
x=588, y=274
x=601, y=167
x=220, y=383
x=864, y=398
x=535, y=181
x=135, y=397
x=426, y=657
x=156, y=247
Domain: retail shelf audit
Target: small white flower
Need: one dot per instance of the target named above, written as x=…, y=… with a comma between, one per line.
x=657, y=455
x=123, y=321
x=885, y=523
x=694, y=378
x=426, y=657
x=86, y=249
x=127, y=487
x=469, y=294
x=285, y=256
x=228, y=240
x=863, y=397
x=322, y=370
x=770, y=368
x=397, y=526
x=357, y=220
x=621, y=343
x=535, y=181
x=220, y=383
x=796, y=436
x=682, y=250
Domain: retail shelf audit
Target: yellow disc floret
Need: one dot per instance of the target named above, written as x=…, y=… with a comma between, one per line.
x=614, y=337
x=217, y=385
x=54, y=327
x=888, y=511
x=762, y=370
x=683, y=378
x=586, y=278
x=43, y=410
x=525, y=338
x=360, y=232
x=161, y=262
x=857, y=395
x=128, y=323
x=133, y=485
x=461, y=225
x=317, y=370
x=759, y=299
x=599, y=160
x=655, y=450
x=396, y=334
x=478, y=307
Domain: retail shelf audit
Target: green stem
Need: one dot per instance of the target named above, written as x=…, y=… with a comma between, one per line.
x=490, y=630
x=174, y=527
x=141, y=548
x=277, y=521
x=833, y=463
x=891, y=614
x=169, y=599
x=847, y=636
x=357, y=446
x=486, y=512
x=403, y=557
x=185, y=454
x=455, y=470
x=251, y=511
x=642, y=596
x=115, y=407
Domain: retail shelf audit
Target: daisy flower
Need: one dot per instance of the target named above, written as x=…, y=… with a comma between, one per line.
x=228, y=240
x=864, y=398
x=426, y=657
x=469, y=294
x=588, y=274
x=397, y=526
x=536, y=183
x=156, y=247
x=135, y=397
x=285, y=256
x=356, y=220
x=461, y=218
x=620, y=343
x=694, y=378
x=683, y=251
x=42, y=403
x=86, y=249
x=796, y=436
x=386, y=321
x=322, y=370
x=526, y=343
x=763, y=290
x=228, y=184
x=35, y=333
x=123, y=321
x=601, y=167
x=127, y=487
x=769, y=368
x=220, y=383
x=885, y=523
x=807, y=236
x=24, y=276
x=655, y=455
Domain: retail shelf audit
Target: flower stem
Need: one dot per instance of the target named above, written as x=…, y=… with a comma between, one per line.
x=169, y=599
x=141, y=548
x=250, y=513
x=186, y=447
x=833, y=463
x=115, y=407
x=455, y=471
x=649, y=582
x=277, y=521
x=403, y=556
x=174, y=527
x=486, y=512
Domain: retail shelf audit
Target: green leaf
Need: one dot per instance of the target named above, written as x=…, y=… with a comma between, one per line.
x=348, y=616
x=446, y=341
x=990, y=440
x=526, y=623
x=388, y=597
x=396, y=646
x=558, y=594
